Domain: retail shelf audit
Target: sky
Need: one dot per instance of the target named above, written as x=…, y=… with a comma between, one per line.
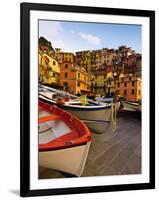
x=78, y=36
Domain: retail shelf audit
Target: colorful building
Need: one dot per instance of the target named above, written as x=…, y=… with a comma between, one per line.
x=49, y=70
x=68, y=57
x=92, y=71
x=110, y=84
x=132, y=64
x=105, y=80
x=61, y=56
x=130, y=87
x=75, y=78
x=84, y=59
x=100, y=76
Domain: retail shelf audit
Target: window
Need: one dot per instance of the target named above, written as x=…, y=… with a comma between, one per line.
x=132, y=83
x=66, y=75
x=66, y=65
x=118, y=84
x=78, y=84
x=54, y=63
x=132, y=92
x=139, y=92
x=129, y=78
x=65, y=84
x=124, y=92
x=78, y=75
x=125, y=84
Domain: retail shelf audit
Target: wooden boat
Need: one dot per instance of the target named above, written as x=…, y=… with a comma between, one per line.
x=96, y=115
x=64, y=140
x=131, y=106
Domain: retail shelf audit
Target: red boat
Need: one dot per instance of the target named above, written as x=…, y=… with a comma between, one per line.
x=64, y=140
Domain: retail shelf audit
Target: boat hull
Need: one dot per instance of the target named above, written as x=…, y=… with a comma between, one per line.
x=96, y=120
x=70, y=160
x=131, y=107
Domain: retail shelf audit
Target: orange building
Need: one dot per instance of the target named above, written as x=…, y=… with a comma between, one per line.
x=130, y=87
x=74, y=78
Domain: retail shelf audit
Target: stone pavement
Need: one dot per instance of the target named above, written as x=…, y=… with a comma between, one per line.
x=111, y=153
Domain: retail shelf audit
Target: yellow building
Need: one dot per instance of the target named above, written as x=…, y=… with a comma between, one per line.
x=64, y=56
x=49, y=70
x=110, y=84
x=68, y=57
x=92, y=80
x=105, y=83
x=100, y=76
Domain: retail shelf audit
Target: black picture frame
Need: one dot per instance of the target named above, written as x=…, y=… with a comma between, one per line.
x=25, y=9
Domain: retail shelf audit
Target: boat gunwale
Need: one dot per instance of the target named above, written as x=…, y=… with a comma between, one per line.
x=91, y=108
x=64, y=147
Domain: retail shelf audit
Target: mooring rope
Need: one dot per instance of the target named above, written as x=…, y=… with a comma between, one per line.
x=113, y=116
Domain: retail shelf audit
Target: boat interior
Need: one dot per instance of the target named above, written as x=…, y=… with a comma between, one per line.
x=59, y=129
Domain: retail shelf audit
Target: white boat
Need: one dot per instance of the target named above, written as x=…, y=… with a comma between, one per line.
x=131, y=106
x=64, y=141
x=97, y=116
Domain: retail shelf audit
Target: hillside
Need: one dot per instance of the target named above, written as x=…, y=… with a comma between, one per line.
x=43, y=42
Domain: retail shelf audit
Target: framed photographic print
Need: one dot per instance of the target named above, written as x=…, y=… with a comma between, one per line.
x=87, y=99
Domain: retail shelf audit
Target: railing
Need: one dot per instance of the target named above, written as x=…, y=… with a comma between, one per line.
x=85, y=82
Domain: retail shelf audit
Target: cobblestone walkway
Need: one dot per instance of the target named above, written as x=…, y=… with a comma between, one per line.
x=111, y=153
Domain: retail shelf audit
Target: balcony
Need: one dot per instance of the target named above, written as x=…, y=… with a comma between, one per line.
x=85, y=81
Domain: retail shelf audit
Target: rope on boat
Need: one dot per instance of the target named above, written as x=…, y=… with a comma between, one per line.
x=113, y=116
x=45, y=130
